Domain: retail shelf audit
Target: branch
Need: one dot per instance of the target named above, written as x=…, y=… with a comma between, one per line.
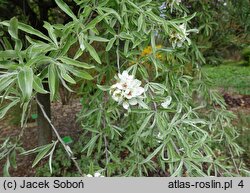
x=66, y=147
x=232, y=157
x=105, y=138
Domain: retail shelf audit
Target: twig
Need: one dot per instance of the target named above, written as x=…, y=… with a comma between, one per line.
x=106, y=149
x=232, y=157
x=25, y=123
x=118, y=57
x=66, y=147
x=175, y=147
x=105, y=137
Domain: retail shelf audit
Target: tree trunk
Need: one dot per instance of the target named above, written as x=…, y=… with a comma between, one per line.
x=44, y=128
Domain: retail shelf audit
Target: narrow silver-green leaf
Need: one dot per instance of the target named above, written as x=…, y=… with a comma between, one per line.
x=6, y=168
x=13, y=28
x=92, y=52
x=41, y=155
x=152, y=154
x=7, y=107
x=110, y=44
x=77, y=63
x=51, y=32
x=25, y=82
x=52, y=78
x=66, y=9
x=38, y=86
x=98, y=39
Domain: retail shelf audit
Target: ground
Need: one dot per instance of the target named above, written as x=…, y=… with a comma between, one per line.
x=64, y=118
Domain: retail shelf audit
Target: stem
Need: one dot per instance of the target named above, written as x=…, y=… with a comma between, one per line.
x=25, y=123
x=66, y=147
x=175, y=147
x=106, y=149
x=232, y=157
x=118, y=57
x=105, y=137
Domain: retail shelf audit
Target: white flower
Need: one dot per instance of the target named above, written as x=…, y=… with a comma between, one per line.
x=178, y=38
x=167, y=102
x=127, y=90
x=178, y=1
x=96, y=175
x=117, y=95
x=125, y=77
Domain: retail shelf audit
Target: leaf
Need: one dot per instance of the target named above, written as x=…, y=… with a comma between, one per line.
x=66, y=76
x=5, y=82
x=90, y=144
x=92, y=52
x=13, y=159
x=51, y=32
x=6, y=168
x=125, y=35
x=98, y=39
x=77, y=63
x=178, y=171
x=38, y=86
x=24, y=112
x=126, y=46
x=13, y=31
x=28, y=29
x=25, y=82
x=42, y=154
x=6, y=108
x=153, y=42
x=35, y=150
x=140, y=21
x=52, y=76
x=51, y=156
x=110, y=44
x=93, y=23
x=9, y=54
x=7, y=43
x=68, y=43
x=37, y=60
x=144, y=123
x=152, y=154
x=109, y=11
x=66, y=9
x=13, y=28
x=81, y=74
x=103, y=87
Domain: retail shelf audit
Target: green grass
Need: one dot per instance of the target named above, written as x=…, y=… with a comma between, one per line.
x=234, y=77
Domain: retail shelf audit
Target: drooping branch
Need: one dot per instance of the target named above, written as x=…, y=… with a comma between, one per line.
x=66, y=147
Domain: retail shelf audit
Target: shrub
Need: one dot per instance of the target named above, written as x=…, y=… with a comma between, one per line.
x=146, y=110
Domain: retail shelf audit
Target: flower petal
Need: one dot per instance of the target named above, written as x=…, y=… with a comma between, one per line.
x=97, y=174
x=167, y=102
x=125, y=105
x=133, y=101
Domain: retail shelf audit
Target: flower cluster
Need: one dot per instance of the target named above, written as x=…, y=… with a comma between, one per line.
x=96, y=174
x=178, y=38
x=127, y=90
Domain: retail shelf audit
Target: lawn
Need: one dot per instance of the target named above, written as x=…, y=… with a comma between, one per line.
x=229, y=77
x=235, y=79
